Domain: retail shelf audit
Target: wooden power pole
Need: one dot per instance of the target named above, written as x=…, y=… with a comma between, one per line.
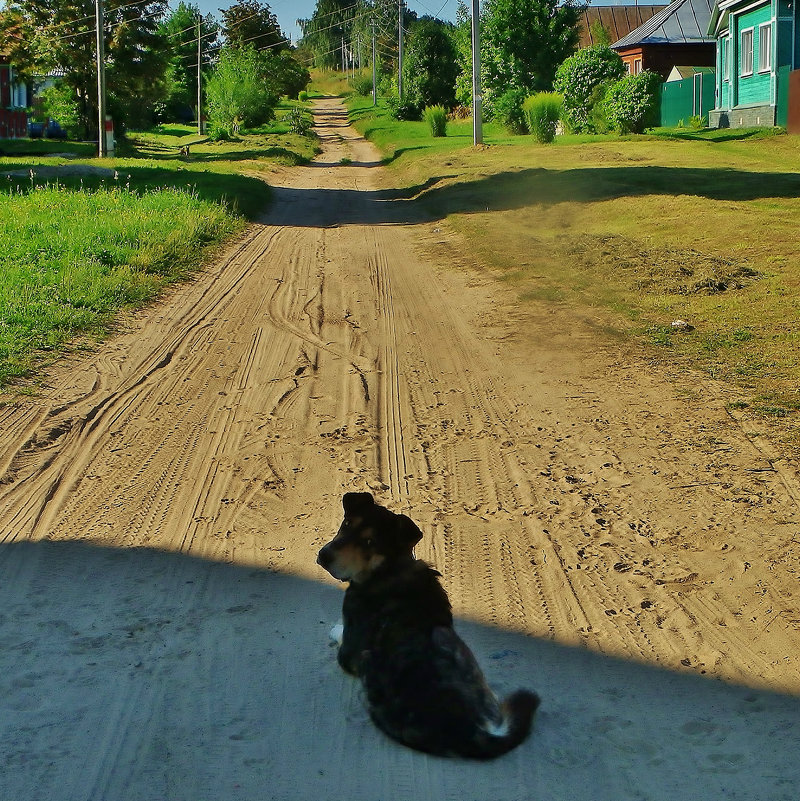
x=477, y=127
x=199, y=82
x=102, y=148
x=400, y=48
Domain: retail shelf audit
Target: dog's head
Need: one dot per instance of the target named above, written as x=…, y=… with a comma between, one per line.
x=369, y=536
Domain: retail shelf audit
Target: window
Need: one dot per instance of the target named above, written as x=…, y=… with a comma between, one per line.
x=726, y=59
x=747, y=52
x=637, y=66
x=765, y=47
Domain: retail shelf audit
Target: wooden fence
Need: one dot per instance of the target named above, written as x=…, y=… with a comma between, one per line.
x=13, y=124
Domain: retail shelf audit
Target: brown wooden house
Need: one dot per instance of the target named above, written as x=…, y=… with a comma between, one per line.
x=617, y=20
x=675, y=35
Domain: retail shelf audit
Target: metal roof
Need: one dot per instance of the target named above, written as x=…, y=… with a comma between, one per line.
x=618, y=19
x=681, y=22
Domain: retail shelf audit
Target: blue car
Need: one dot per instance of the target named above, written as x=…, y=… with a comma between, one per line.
x=50, y=130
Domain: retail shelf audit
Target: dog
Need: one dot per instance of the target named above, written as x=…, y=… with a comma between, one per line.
x=423, y=686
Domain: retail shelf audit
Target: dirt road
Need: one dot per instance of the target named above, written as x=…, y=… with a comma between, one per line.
x=610, y=536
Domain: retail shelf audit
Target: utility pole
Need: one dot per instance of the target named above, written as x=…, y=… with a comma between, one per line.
x=477, y=127
x=199, y=82
x=374, y=70
x=102, y=150
x=400, y=48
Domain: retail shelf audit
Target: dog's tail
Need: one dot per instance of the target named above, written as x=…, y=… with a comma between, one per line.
x=494, y=741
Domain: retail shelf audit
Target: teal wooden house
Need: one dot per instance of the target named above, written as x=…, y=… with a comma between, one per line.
x=757, y=47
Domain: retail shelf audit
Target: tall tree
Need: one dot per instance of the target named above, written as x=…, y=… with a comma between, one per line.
x=252, y=23
x=524, y=41
x=239, y=92
x=179, y=34
x=47, y=35
x=429, y=65
x=461, y=34
x=328, y=28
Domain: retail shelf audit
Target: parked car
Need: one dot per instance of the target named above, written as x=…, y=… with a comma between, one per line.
x=49, y=130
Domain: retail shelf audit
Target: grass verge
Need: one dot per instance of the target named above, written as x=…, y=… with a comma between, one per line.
x=81, y=238
x=642, y=231
x=69, y=259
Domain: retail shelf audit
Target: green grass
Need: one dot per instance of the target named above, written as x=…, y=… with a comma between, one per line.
x=69, y=259
x=76, y=245
x=329, y=83
x=636, y=232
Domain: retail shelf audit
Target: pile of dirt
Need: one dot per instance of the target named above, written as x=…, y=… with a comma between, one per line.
x=672, y=271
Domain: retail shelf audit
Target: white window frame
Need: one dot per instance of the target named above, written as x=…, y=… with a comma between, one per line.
x=765, y=53
x=637, y=65
x=726, y=59
x=746, y=70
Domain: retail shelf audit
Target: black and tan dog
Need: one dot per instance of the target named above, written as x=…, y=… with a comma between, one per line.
x=423, y=685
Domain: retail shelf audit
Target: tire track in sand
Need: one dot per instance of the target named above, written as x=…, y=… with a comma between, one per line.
x=325, y=354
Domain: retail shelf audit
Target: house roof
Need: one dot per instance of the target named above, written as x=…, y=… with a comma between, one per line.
x=619, y=20
x=679, y=73
x=681, y=22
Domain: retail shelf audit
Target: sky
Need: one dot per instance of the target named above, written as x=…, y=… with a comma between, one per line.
x=288, y=11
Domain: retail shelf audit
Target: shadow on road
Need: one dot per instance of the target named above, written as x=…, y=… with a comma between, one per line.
x=133, y=674
x=440, y=196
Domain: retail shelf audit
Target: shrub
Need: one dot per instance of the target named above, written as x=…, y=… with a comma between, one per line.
x=238, y=93
x=436, y=117
x=299, y=122
x=362, y=84
x=302, y=96
x=508, y=111
x=577, y=78
x=598, y=118
x=631, y=104
x=402, y=109
x=60, y=102
x=542, y=112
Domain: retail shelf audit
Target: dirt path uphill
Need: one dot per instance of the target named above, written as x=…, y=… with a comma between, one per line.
x=606, y=538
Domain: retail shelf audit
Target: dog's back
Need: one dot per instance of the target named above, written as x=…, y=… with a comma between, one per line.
x=424, y=687
x=423, y=684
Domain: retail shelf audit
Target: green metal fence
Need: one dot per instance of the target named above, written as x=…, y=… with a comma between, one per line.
x=691, y=97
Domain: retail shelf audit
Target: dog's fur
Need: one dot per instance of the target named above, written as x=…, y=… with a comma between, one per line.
x=423, y=685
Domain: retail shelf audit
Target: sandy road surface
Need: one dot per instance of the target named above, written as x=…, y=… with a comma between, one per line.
x=608, y=539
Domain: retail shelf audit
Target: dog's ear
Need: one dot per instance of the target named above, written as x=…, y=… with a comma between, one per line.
x=357, y=502
x=409, y=530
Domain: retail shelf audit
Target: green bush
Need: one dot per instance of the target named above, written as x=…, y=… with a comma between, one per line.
x=238, y=92
x=598, y=118
x=577, y=78
x=508, y=111
x=302, y=96
x=631, y=104
x=362, y=84
x=542, y=112
x=403, y=109
x=60, y=102
x=299, y=121
x=436, y=117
